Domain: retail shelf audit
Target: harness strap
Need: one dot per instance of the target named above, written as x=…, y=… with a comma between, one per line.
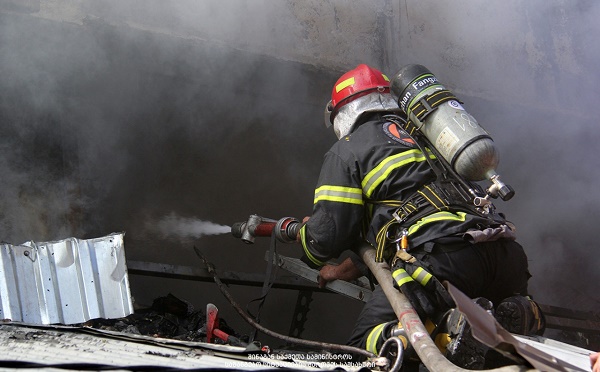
x=429, y=199
x=428, y=196
x=425, y=106
x=449, y=192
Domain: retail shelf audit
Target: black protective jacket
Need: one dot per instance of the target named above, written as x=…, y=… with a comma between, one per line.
x=377, y=162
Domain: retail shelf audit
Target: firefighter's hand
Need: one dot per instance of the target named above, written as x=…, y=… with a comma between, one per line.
x=419, y=298
x=345, y=271
x=595, y=361
x=437, y=291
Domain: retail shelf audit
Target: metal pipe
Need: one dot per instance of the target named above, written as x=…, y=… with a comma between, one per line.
x=417, y=334
x=285, y=229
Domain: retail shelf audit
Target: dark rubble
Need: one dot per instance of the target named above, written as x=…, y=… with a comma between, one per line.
x=167, y=317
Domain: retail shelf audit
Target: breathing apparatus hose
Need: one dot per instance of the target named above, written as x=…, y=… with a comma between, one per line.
x=417, y=334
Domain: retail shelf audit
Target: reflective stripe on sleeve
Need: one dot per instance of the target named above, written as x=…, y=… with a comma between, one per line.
x=306, y=251
x=376, y=176
x=340, y=194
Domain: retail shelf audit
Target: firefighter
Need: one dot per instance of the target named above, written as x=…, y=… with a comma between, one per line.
x=366, y=175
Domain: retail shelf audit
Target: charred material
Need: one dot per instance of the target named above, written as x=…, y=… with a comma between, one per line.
x=167, y=317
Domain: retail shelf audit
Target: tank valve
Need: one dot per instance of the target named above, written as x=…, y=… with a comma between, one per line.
x=499, y=188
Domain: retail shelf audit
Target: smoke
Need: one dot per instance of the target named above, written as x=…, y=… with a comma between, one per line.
x=529, y=77
x=112, y=111
x=173, y=226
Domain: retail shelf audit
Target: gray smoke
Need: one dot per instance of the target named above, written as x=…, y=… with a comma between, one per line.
x=115, y=112
x=527, y=71
x=173, y=226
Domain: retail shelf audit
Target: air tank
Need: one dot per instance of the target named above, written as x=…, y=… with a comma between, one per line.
x=455, y=133
x=450, y=128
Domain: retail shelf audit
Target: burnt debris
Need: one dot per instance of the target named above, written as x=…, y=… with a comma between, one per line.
x=167, y=317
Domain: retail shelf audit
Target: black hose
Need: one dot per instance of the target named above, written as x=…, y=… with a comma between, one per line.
x=247, y=318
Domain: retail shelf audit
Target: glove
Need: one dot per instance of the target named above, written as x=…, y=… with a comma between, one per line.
x=417, y=295
x=442, y=299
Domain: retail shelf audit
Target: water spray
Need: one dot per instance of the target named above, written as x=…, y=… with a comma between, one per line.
x=184, y=227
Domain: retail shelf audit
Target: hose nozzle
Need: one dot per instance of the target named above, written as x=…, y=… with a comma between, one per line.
x=285, y=229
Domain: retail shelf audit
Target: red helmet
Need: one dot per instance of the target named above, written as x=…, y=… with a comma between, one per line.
x=354, y=84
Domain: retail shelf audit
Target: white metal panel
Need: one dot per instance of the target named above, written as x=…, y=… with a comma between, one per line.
x=49, y=347
x=68, y=281
x=577, y=357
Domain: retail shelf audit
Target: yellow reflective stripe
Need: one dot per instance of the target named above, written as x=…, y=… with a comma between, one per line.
x=373, y=337
x=376, y=176
x=350, y=81
x=340, y=194
x=344, y=84
x=438, y=216
x=401, y=277
x=306, y=251
x=422, y=276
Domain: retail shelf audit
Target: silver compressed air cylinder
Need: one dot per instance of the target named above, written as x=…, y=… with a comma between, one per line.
x=455, y=133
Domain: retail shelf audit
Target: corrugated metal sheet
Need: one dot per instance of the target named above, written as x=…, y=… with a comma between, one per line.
x=578, y=358
x=68, y=281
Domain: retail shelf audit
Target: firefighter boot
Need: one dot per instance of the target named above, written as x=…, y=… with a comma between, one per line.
x=521, y=315
x=464, y=350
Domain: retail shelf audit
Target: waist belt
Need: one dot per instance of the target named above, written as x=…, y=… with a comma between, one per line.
x=432, y=198
x=425, y=201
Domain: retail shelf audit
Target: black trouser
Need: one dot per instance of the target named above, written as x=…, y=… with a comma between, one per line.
x=494, y=270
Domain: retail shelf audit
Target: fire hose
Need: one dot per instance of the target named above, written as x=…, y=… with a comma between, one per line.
x=286, y=229
x=417, y=334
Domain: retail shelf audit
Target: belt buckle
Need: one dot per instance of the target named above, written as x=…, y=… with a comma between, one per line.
x=401, y=214
x=397, y=216
x=401, y=218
